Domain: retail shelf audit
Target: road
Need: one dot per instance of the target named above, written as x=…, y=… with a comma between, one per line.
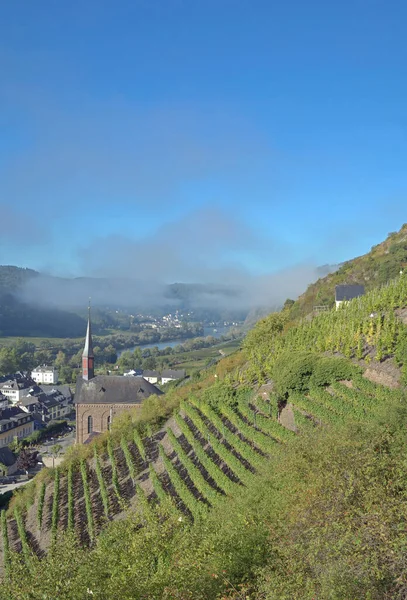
x=44, y=449
x=9, y=487
x=65, y=442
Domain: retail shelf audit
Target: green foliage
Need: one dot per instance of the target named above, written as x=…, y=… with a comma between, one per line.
x=139, y=443
x=88, y=502
x=195, y=507
x=292, y=372
x=366, y=321
x=102, y=484
x=55, y=506
x=40, y=506
x=70, y=499
x=128, y=457
x=23, y=536
x=221, y=480
x=194, y=473
x=327, y=370
x=115, y=478
x=6, y=544
x=228, y=457
x=223, y=393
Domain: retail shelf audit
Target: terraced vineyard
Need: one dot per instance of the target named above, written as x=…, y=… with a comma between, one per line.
x=340, y=402
x=200, y=456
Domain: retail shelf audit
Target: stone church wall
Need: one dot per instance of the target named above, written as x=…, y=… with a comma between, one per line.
x=100, y=414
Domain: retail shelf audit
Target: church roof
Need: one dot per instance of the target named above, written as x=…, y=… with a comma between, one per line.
x=113, y=389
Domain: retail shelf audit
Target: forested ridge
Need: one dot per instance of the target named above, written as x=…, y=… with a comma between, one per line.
x=277, y=473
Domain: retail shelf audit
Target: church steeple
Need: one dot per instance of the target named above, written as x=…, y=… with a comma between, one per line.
x=88, y=359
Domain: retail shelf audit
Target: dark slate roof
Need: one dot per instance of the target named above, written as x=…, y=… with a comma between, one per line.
x=33, y=390
x=113, y=389
x=348, y=292
x=151, y=374
x=43, y=369
x=171, y=374
x=28, y=401
x=7, y=458
x=63, y=389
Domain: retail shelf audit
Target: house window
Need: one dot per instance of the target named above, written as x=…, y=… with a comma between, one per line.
x=90, y=424
x=109, y=422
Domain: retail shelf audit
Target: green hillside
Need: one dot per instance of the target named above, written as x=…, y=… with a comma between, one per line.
x=382, y=264
x=278, y=473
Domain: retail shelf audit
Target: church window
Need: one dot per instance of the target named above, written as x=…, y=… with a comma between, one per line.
x=109, y=422
x=90, y=424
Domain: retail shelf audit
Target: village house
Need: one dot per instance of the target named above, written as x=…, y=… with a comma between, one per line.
x=100, y=398
x=47, y=403
x=151, y=376
x=14, y=423
x=15, y=386
x=172, y=375
x=45, y=374
x=344, y=293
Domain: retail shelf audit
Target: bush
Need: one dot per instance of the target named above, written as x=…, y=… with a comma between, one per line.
x=298, y=371
x=327, y=370
x=292, y=372
x=223, y=393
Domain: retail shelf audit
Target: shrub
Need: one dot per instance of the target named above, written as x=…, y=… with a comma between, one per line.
x=327, y=370
x=292, y=372
x=223, y=393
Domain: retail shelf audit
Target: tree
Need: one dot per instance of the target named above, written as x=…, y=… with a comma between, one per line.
x=55, y=450
x=27, y=460
x=60, y=360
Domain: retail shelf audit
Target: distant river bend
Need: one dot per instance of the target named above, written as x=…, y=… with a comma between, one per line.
x=172, y=343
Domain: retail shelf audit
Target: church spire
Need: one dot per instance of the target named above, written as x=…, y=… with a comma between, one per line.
x=88, y=359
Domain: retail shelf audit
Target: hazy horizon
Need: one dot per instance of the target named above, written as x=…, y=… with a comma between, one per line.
x=240, y=143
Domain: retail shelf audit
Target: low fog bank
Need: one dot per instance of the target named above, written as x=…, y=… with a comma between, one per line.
x=243, y=292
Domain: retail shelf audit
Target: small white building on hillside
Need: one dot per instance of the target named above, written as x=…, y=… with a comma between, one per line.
x=344, y=293
x=45, y=374
x=172, y=375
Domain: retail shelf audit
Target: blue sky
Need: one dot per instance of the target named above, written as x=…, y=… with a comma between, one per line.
x=194, y=138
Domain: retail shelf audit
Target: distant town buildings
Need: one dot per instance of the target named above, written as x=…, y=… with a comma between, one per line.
x=155, y=377
x=45, y=374
x=344, y=293
x=14, y=386
x=47, y=403
x=42, y=403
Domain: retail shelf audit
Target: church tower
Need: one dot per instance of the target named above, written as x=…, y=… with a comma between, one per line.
x=88, y=371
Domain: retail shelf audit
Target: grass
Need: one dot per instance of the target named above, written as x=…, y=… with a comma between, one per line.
x=193, y=359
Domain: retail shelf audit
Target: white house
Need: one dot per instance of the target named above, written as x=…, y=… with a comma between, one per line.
x=14, y=389
x=133, y=373
x=151, y=376
x=344, y=293
x=172, y=375
x=45, y=374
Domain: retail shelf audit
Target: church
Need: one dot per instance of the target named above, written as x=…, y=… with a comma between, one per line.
x=99, y=399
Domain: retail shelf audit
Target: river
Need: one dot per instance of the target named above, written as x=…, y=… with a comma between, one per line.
x=216, y=332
